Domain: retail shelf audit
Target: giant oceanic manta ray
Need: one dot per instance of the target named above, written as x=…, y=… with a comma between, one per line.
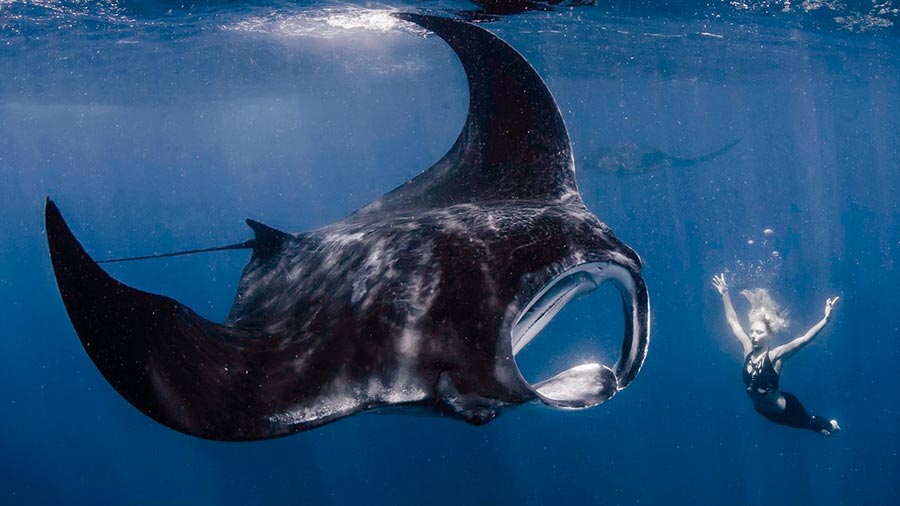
x=419, y=300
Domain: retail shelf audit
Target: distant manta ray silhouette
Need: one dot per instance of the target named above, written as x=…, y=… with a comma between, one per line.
x=418, y=301
x=635, y=159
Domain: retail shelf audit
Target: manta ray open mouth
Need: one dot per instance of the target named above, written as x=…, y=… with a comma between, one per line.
x=588, y=384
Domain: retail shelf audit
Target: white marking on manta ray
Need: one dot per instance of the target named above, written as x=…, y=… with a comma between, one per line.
x=420, y=297
x=570, y=195
x=342, y=240
x=368, y=274
x=335, y=406
x=346, y=400
x=409, y=342
x=377, y=271
x=299, y=363
x=621, y=259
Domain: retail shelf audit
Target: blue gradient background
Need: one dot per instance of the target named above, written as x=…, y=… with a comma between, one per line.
x=157, y=127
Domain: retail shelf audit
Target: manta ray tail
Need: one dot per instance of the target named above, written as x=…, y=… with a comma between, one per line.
x=718, y=152
x=240, y=245
x=268, y=240
x=688, y=162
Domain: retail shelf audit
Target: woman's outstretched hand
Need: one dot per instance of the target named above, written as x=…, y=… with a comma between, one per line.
x=829, y=306
x=722, y=287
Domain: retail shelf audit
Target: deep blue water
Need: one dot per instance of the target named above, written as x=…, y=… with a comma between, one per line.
x=159, y=126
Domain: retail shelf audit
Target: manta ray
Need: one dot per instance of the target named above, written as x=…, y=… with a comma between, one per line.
x=635, y=159
x=418, y=301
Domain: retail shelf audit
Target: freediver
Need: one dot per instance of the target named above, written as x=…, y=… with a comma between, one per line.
x=762, y=365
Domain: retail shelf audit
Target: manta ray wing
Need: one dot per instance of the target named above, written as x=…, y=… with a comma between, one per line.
x=514, y=143
x=149, y=347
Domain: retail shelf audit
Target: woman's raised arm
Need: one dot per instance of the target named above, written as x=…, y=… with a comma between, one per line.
x=788, y=350
x=730, y=314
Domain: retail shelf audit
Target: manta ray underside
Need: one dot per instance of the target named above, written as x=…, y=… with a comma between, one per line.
x=420, y=300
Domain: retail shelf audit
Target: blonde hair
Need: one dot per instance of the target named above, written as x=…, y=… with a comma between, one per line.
x=764, y=309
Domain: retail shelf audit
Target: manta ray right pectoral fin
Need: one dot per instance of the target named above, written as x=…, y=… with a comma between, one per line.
x=514, y=144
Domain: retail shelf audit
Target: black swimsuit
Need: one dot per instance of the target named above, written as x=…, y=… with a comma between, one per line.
x=760, y=376
x=761, y=379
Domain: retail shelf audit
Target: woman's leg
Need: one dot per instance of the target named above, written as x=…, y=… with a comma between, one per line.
x=794, y=415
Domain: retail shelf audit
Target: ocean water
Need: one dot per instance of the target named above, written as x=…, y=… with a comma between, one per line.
x=158, y=126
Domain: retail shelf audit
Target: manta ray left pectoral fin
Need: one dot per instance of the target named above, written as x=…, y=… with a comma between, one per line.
x=170, y=363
